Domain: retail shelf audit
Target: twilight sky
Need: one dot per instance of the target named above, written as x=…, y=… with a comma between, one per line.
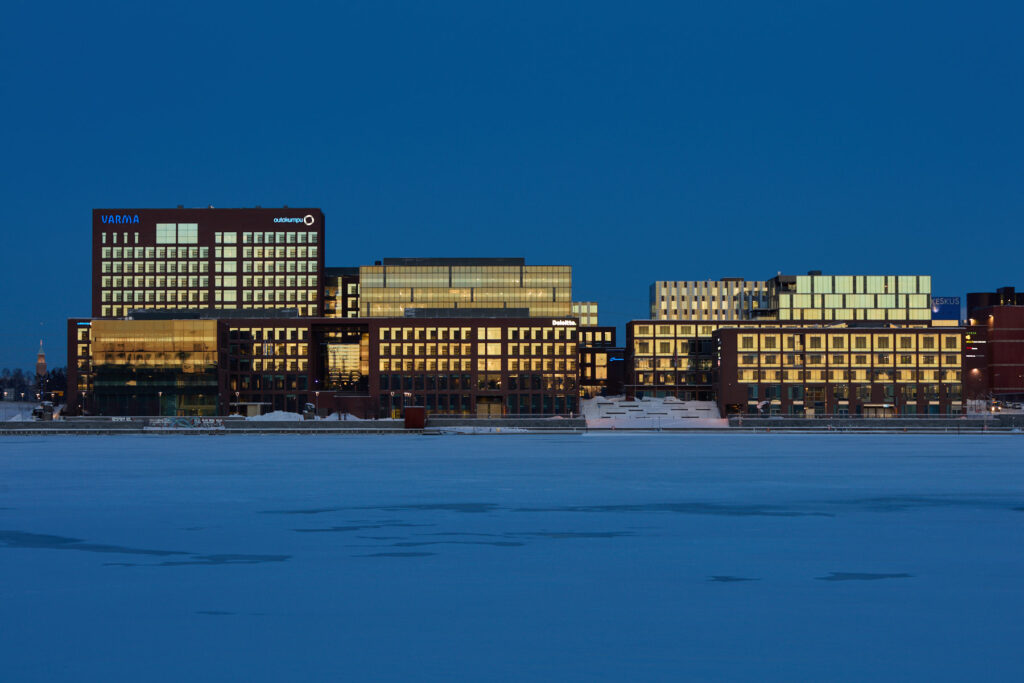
x=635, y=141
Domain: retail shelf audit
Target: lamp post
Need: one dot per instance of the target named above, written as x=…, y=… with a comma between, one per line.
x=238, y=408
x=160, y=403
x=317, y=394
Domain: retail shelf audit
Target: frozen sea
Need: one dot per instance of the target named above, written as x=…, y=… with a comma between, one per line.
x=597, y=557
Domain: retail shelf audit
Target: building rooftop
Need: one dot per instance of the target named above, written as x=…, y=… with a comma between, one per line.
x=467, y=312
x=454, y=261
x=211, y=313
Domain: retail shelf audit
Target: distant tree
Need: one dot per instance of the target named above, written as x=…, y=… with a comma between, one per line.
x=56, y=380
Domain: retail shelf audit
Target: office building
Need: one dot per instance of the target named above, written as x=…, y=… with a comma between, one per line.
x=143, y=367
x=207, y=259
x=896, y=299
x=601, y=362
x=711, y=300
x=585, y=312
x=1004, y=296
x=484, y=363
x=874, y=372
x=388, y=288
x=994, y=363
x=341, y=292
x=674, y=358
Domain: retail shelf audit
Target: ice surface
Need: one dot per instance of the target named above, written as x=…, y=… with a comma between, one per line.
x=597, y=557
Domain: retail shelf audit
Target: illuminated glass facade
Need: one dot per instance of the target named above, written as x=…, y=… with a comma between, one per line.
x=386, y=290
x=158, y=367
x=726, y=299
x=898, y=299
x=341, y=292
x=585, y=312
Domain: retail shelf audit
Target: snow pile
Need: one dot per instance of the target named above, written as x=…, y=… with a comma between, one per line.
x=616, y=412
x=277, y=416
x=349, y=417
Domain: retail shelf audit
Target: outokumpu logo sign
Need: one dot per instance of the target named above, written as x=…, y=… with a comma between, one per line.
x=119, y=218
x=307, y=219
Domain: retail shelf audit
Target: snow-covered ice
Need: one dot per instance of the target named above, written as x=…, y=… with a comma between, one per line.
x=596, y=557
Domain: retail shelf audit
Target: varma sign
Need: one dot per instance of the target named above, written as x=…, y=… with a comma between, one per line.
x=119, y=218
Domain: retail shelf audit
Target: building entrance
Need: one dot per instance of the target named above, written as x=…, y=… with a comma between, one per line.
x=489, y=406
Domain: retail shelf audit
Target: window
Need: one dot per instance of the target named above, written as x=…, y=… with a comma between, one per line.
x=166, y=233
x=188, y=233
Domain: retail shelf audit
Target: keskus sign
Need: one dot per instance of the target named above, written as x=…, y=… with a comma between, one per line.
x=945, y=308
x=307, y=219
x=119, y=218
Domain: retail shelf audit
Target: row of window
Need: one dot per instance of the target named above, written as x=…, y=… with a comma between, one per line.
x=458, y=294
x=875, y=375
x=250, y=334
x=397, y=309
x=482, y=333
x=482, y=349
x=843, y=392
x=847, y=314
x=115, y=311
x=866, y=342
x=160, y=281
x=863, y=284
x=481, y=365
x=155, y=252
x=866, y=360
x=268, y=348
x=267, y=237
x=854, y=301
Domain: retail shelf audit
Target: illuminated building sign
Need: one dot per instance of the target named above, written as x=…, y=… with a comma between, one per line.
x=119, y=218
x=307, y=219
x=945, y=308
x=564, y=323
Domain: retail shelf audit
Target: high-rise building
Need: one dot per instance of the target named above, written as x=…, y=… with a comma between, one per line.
x=390, y=287
x=725, y=299
x=188, y=259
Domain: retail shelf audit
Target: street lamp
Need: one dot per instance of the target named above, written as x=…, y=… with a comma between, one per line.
x=238, y=408
x=159, y=403
x=317, y=394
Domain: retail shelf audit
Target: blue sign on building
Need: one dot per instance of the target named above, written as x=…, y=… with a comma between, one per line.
x=945, y=308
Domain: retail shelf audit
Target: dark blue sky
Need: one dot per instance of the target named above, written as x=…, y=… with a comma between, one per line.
x=634, y=141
